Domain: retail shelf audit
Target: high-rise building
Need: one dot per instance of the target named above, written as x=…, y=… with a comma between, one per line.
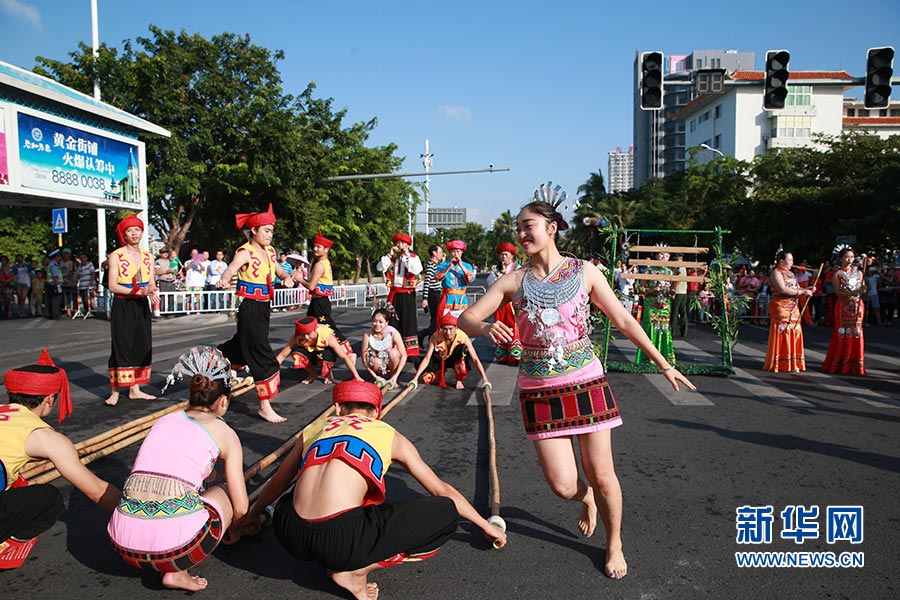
x=621, y=170
x=658, y=139
x=735, y=123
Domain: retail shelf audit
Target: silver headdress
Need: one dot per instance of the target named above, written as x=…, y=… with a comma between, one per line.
x=837, y=249
x=385, y=305
x=201, y=360
x=550, y=194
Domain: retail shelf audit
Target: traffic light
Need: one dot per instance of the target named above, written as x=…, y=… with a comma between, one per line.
x=879, y=69
x=651, y=81
x=777, y=74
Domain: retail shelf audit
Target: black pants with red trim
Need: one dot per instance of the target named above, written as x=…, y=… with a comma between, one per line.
x=26, y=512
x=366, y=535
x=250, y=345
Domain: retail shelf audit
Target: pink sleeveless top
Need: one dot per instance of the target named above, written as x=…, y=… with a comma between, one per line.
x=554, y=326
x=178, y=447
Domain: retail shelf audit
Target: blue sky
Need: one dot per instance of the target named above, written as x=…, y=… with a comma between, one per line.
x=545, y=88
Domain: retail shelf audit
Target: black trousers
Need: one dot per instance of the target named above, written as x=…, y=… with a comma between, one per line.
x=250, y=345
x=434, y=298
x=320, y=308
x=366, y=535
x=27, y=512
x=678, y=320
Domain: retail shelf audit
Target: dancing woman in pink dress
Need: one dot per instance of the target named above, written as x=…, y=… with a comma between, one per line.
x=563, y=389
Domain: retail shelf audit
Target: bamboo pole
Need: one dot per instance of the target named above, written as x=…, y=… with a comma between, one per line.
x=89, y=458
x=108, y=437
x=495, y=518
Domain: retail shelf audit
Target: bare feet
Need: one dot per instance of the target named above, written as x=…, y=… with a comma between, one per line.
x=139, y=395
x=587, y=520
x=329, y=379
x=355, y=583
x=309, y=378
x=460, y=386
x=112, y=400
x=616, y=567
x=182, y=580
x=268, y=413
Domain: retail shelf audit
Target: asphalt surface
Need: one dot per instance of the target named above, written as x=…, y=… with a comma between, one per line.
x=686, y=462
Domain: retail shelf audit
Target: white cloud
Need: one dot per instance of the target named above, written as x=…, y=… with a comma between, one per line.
x=460, y=114
x=19, y=9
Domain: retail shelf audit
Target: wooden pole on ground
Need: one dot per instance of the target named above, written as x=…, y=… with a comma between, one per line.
x=495, y=518
x=106, y=438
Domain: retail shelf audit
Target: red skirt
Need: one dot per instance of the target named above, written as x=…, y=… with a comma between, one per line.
x=845, y=350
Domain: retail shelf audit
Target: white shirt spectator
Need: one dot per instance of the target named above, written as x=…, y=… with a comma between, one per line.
x=196, y=272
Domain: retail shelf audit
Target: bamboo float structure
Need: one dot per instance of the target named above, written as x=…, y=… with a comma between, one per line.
x=495, y=518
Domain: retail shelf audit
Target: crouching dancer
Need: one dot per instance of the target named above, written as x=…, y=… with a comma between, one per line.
x=29, y=510
x=164, y=523
x=335, y=514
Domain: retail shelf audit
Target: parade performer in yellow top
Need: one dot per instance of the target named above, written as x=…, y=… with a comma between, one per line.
x=256, y=266
x=336, y=514
x=316, y=343
x=26, y=511
x=131, y=278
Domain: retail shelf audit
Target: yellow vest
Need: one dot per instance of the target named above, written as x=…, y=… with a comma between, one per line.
x=16, y=424
x=131, y=274
x=255, y=278
x=363, y=443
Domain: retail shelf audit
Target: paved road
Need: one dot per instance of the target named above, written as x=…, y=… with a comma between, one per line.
x=686, y=462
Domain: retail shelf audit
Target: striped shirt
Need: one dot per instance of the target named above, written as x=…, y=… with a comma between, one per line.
x=428, y=281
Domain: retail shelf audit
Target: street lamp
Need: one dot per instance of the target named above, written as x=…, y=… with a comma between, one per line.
x=711, y=149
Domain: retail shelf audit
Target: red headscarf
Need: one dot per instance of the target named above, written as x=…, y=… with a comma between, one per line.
x=402, y=237
x=255, y=219
x=32, y=383
x=323, y=241
x=305, y=325
x=449, y=319
x=358, y=391
x=128, y=221
x=506, y=247
x=456, y=245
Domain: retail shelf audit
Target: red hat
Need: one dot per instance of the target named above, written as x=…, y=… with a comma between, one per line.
x=255, y=219
x=35, y=381
x=449, y=319
x=358, y=391
x=128, y=221
x=506, y=247
x=323, y=241
x=305, y=325
x=456, y=245
x=402, y=237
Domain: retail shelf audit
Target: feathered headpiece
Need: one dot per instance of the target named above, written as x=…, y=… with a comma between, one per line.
x=201, y=360
x=550, y=194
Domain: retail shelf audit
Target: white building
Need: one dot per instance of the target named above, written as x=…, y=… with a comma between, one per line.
x=621, y=170
x=736, y=124
x=880, y=122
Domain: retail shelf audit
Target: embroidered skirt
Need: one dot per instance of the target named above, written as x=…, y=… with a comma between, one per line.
x=184, y=556
x=784, y=353
x=569, y=406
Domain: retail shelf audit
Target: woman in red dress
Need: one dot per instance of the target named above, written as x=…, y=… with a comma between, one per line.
x=845, y=350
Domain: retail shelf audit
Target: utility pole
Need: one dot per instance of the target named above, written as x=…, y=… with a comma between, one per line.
x=426, y=162
x=101, y=212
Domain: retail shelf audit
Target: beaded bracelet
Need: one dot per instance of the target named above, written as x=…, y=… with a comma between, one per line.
x=669, y=368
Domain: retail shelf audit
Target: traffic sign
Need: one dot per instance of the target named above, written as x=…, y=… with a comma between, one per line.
x=60, y=220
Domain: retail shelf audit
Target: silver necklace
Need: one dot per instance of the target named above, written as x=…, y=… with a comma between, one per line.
x=546, y=297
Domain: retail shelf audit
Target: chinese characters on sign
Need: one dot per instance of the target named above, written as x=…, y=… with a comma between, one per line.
x=58, y=158
x=799, y=523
